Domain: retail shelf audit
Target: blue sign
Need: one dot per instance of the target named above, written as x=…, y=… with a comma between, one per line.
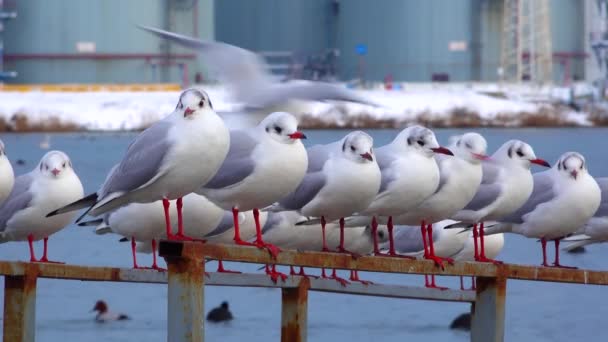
x=361, y=49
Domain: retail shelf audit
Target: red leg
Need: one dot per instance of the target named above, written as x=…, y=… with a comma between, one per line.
x=432, y=284
x=431, y=256
x=391, y=242
x=354, y=276
x=30, y=241
x=482, y=256
x=556, y=263
x=303, y=274
x=274, y=274
x=292, y=271
x=259, y=242
x=237, y=232
x=323, y=274
x=180, y=223
x=461, y=283
x=475, y=241
x=543, y=244
x=154, y=264
x=341, y=248
x=221, y=269
x=44, y=254
x=342, y=281
x=423, y=232
x=323, y=223
x=166, y=205
x=473, y=284
x=133, y=245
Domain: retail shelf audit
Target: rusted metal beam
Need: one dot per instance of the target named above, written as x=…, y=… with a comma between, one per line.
x=294, y=312
x=390, y=265
x=185, y=299
x=488, y=311
x=19, y=308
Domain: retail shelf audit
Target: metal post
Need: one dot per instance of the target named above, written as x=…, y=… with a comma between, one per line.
x=185, y=296
x=488, y=311
x=19, y=308
x=294, y=315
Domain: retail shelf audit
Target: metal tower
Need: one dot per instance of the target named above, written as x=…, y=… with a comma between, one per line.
x=526, y=42
x=5, y=15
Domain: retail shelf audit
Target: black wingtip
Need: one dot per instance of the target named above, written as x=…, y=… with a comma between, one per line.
x=124, y=239
x=84, y=202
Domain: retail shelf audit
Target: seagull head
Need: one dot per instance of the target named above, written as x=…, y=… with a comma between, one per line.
x=358, y=146
x=519, y=152
x=55, y=164
x=193, y=102
x=471, y=147
x=422, y=139
x=282, y=127
x=571, y=165
x=381, y=233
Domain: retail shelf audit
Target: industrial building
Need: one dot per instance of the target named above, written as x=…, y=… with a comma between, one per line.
x=406, y=40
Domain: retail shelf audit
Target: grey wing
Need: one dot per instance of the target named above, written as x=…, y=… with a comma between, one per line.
x=312, y=91
x=225, y=224
x=242, y=70
x=273, y=221
x=305, y=192
x=387, y=175
x=541, y=192
x=239, y=163
x=603, y=209
x=408, y=239
x=317, y=157
x=19, y=199
x=142, y=162
x=489, y=189
x=443, y=178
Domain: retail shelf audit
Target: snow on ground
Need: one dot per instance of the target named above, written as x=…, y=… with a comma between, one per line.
x=135, y=110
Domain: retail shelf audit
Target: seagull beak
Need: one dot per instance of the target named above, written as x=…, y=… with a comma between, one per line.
x=188, y=112
x=540, y=162
x=443, y=150
x=55, y=172
x=297, y=135
x=367, y=156
x=480, y=156
x=574, y=173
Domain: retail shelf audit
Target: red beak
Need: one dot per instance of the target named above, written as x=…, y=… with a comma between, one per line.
x=443, y=150
x=188, y=111
x=297, y=135
x=367, y=156
x=574, y=173
x=480, y=156
x=55, y=172
x=540, y=162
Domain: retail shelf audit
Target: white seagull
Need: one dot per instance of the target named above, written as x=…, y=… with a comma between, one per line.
x=264, y=164
x=563, y=199
x=23, y=215
x=460, y=176
x=170, y=159
x=409, y=175
x=596, y=229
x=493, y=247
x=505, y=186
x=7, y=176
x=246, y=74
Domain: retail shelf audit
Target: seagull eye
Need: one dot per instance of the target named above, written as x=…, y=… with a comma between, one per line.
x=352, y=148
x=520, y=153
x=63, y=165
x=468, y=145
x=278, y=129
x=421, y=142
x=201, y=104
x=46, y=167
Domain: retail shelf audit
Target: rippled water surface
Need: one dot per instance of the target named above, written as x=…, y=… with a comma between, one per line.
x=535, y=311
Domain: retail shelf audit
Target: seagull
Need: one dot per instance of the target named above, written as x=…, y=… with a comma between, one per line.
x=563, y=199
x=447, y=242
x=246, y=75
x=22, y=216
x=104, y=315
x=505, y=186
x=494, y=244
x=170, y=159
x=409, y=175
x=7, y=176
x=460, y=176
x=264, y=164
x=596, y=229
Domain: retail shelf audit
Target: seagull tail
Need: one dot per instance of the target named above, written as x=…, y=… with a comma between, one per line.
x=88, y=201
x=103, y=229
x=497, y=228
x=95, y=222
x=578, y=243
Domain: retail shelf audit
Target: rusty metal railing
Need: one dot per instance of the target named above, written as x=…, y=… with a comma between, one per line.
x=185, y=280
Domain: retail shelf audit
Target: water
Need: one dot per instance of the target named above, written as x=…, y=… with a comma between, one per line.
x=535, y=311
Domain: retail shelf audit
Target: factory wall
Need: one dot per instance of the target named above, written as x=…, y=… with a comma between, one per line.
x=54, y=29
